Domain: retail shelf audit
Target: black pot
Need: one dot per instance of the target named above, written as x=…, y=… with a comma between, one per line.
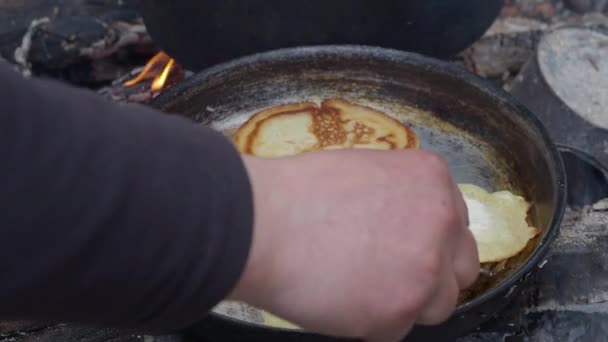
x=199, y=33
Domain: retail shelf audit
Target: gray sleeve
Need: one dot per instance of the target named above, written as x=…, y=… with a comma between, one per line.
x=114, y=215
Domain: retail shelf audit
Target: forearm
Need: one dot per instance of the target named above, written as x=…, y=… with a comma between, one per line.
x=114, y=215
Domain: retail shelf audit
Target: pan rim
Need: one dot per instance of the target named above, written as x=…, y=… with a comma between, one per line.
x=388, y=55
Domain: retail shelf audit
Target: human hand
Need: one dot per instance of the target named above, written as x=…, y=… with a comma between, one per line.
x=358, y=243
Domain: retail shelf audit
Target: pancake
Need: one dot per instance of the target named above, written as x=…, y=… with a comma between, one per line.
x=296, y=128
x=498, y=222
x=277, y=322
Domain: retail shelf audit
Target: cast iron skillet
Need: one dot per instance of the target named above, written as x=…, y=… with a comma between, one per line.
x=487, y=138
x=199, y=33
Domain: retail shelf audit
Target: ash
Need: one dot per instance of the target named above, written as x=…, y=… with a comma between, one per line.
x=582, y=228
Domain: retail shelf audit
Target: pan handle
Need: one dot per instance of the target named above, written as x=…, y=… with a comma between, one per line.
x=587, y=178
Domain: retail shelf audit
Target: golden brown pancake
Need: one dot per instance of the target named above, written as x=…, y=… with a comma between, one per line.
x=498, y=222
x=297, y=128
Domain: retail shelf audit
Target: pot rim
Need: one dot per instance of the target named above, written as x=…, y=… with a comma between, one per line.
x=393, y=56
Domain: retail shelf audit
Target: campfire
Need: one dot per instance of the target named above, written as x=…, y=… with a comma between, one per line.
x=159, y=69
x=143, y=84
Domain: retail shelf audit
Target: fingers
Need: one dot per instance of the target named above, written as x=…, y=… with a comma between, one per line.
x=465, y=255
x=445, y=298
x=461, y=206
x=466, y=260
x=459, y=271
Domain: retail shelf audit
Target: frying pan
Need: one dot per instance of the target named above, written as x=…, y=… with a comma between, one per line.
x=201, y=33
x=487, y=138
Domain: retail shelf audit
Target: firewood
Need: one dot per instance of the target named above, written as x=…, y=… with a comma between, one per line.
x=510, y=42
x=74, y=40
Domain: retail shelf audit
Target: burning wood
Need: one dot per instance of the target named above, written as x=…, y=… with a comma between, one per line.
x=160, y=62
x=142, y=85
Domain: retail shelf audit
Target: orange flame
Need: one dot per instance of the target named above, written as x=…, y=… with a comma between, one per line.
x=150, y=70
x=160, y=80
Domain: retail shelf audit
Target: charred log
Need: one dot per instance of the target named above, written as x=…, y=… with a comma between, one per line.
x=140, y=92
x=86, y=42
